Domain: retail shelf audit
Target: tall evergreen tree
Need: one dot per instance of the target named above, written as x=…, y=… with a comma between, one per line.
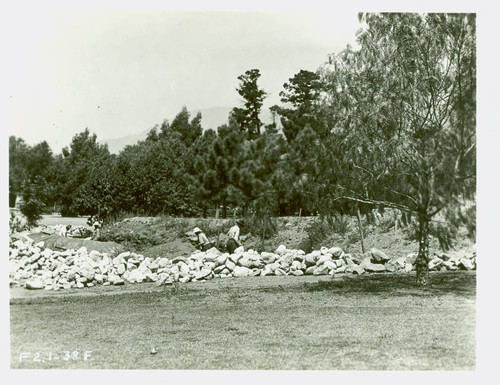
x=253, y=98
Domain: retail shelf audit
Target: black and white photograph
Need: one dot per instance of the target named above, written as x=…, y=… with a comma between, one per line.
x=230, y=188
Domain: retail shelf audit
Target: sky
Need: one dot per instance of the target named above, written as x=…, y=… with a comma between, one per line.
x=120, y=71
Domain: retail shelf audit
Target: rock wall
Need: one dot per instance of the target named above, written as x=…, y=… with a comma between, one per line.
x=35, y=266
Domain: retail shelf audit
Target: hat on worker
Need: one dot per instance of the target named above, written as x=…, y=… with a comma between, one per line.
x=196, y=230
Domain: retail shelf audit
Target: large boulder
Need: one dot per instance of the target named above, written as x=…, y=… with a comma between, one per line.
x=35, y=284
x=280, y=250
x=336, y=252
x=378, y=256
x=330, y=265
x=240, y=271
x=321, y=270
x=356, y=269
x=245, y=261
x=163, y=262
x=323, y=259
x=466, y=264
x=136, y=276
x=230, y=265
x=267, y=258
x=221, y=259
x=203, y=273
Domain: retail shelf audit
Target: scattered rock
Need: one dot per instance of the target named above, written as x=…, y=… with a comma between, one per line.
x=466, y=264
x=378, y=256
x=34, y=285
x=374, y=268
x=356, y=269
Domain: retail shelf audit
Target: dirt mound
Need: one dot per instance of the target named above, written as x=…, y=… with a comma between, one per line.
x=172, y=249
x=57, y=242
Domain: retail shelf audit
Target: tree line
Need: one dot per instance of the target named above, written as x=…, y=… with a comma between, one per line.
x=391, y=123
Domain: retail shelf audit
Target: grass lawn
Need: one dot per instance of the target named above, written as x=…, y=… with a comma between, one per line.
x=348, y=322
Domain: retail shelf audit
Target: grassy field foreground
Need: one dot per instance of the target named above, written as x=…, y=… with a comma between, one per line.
x=351, y=322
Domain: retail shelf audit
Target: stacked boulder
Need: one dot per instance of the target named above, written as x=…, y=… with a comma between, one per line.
x=36, y=267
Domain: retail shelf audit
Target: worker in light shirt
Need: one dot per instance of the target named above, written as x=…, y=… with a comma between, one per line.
x=202, y=241
x=234, y=237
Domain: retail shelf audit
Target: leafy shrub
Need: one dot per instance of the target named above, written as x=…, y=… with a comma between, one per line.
x=386, y=223
x=318, y=231
x=32, y=209
x=263, y=227
x=353, y=236
x=339, y=224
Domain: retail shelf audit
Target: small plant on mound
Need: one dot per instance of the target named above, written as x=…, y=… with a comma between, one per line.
x=317, y=232
x=17, y=223
x=339, y=224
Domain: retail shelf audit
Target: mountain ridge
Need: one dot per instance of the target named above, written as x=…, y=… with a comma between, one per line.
x=212, y=118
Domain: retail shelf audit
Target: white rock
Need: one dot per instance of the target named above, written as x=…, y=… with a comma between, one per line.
x=466, y=264
x=320, y=270
x=136, y=276
x=268, y=257
x=240, y=271
x=323, y=250
x=34, y=284
x=124, y=255
x=221, y=259
x=280, y=250
x=336, y=252
x=239, y=250
x=323, y=259
x=230, y=265
x=203, y=273
x=163, y=262
x=184, y=279
x=378, y=256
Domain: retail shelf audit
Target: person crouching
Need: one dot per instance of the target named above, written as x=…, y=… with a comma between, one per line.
x=202, y=241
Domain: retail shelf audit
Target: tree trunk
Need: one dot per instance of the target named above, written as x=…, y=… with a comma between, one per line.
x=360, y=227
x=422, y=261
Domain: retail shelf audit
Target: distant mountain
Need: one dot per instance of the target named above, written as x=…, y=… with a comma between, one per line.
x=210, y=118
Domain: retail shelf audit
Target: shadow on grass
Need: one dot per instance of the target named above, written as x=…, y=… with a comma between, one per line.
x=457, y=283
